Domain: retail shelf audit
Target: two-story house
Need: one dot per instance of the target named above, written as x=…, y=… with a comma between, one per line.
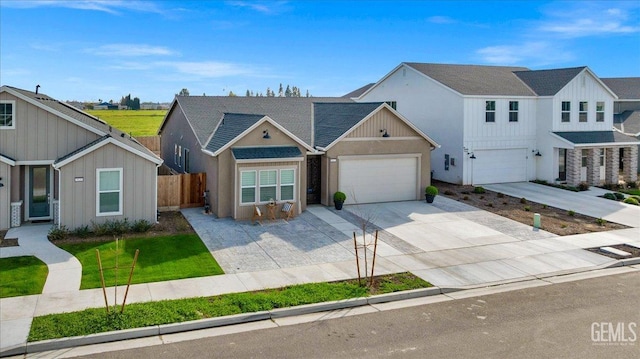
x=626, y=109
x=508, y=124
x=60, y=164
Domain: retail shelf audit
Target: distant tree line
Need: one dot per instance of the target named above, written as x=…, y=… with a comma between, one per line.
x=290, y=91
x=132, y=104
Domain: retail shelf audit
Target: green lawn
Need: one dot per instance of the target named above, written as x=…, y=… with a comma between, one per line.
x=137, y=123
x=161, y=258
x=635, y=192
x=139, y=315
x=22, y=276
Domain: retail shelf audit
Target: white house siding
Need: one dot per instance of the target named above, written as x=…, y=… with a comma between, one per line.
x=139, y=195
x=433, y=108
x=40, y=135
x=5, y=206
x=547, y=163
x=481, y=137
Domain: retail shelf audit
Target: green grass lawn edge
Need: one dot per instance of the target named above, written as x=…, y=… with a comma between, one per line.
x=139, y=315
x=161, y=258
x=23, y=275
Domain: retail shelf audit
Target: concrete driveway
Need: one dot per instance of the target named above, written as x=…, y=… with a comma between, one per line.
x=586, y=202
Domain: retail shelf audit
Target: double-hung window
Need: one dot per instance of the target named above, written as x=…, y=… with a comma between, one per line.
x=268, y=185
x=287, y=185
x=600, y=111
x=109, y=191
x=248, y=187
x=7, y=114
x=513, y=111
x=566, y=111
x=583, y=111
x=490, y=111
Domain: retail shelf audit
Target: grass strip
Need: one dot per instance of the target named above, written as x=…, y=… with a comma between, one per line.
x=136, y=123
x=139, y=315
x=161, y=258
x=22, y=276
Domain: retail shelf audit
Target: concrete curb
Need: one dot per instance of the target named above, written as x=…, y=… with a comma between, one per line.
x=64, y=343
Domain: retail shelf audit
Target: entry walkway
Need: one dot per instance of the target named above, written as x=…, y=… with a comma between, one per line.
x=585, y=202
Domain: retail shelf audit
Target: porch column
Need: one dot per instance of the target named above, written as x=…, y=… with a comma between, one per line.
x=593, y=167
x=612, y=158
x=630, y=160
x=574, y=162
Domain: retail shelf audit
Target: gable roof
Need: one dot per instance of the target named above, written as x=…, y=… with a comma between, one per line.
x=99, y=143
x=627, y=88
x=80, y=118
x=627, y=122
x=548, y=82
x=332, y=120
x=230, y=127
x=8, y=160
x=205, y=113
x=476, y=79
x=359, y=91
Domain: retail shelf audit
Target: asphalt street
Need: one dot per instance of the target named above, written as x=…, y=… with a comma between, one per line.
x=592, y=318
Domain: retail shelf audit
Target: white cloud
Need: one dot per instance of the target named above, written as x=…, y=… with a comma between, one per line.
x=130, y=50
x=441, y=20
x=108, y=6
x=530, y=54
x=210, y=69
x=261, y=6
x=590, y=19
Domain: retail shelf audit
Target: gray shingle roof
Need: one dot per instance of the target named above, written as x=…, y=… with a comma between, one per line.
x=475, y=79
x=359, y=91
x=334, y=119
x=7, y=157
x=232, y=125
x=627, y=122
x=88, y=145
x=626, y=88
x=84, y=118
x=252, y=153
x=593, y=137
x=548, y=82
x=204, y=113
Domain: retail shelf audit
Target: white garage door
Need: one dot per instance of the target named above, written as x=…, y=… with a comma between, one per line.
x=499, y=166
x=372, y=180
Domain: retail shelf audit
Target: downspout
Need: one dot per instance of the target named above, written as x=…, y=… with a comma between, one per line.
x=155, y=198
x=59, y=196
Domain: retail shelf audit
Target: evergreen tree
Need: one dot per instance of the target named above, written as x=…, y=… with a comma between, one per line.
x=183, y=92
x=231, y=94
x=248, y=94
x=287, y=92
x=307, y=93
x=280, y=91
x=135, y=104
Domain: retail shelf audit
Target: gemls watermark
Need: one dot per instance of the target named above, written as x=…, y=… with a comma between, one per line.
x=610, y=333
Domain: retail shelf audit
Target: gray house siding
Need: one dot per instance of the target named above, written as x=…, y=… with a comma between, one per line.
x=176, y=131
x=40, y=135
x=139, y=196
x=5, y=204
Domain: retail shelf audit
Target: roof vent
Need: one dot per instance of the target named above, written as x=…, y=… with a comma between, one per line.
x=37, y=87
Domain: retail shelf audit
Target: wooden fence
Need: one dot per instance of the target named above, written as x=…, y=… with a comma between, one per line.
x=181, y=191
x=150, y=142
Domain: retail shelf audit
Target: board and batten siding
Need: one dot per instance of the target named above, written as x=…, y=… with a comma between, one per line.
x=583, y=88
x=78, y=199
x=40, y=135
x=5, y=204
x=382, y=120
x=176, y=131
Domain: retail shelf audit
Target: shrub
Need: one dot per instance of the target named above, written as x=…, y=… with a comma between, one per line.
x=481, y=197
x=479, y=190
x=527, y=208
x=339, y=197
x=141, y=226
x=465, y=198
x=111, y=227
x=449, y=193
x=431, y=190
x=58, y=233
x=611, y=186
x=544, y=206
x=500, y=195
x=601, y=222
x=523, y=200
x=632, y=200
x=81, y=232
x=489, y=204
x=610, y=196
x=619, y=196
x=583, y=186
x=571, y=213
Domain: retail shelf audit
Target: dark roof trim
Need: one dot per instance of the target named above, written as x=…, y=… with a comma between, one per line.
x=593, y=138
x=269, y=152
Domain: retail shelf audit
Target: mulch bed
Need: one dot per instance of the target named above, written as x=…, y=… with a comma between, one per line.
x=554, y=220
x=7, y=242
x=635, y=252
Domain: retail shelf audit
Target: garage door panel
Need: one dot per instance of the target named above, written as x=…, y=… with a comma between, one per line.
x=499, y=166
x=378, y=180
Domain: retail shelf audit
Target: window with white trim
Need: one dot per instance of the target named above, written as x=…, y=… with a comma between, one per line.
x=7, y=114
x=268, y=185
x=583, y=109
x=566, y=111
x=287, y=185
x=600, y=111
x=602, y=157
x=109, y=191
x=248, y=187
x=490, y=111
x=513, y=111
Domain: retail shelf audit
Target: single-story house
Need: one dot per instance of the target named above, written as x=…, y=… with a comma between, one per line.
x=60, y=164
x=301, y=150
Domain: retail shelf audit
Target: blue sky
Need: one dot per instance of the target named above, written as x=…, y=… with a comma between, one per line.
x=106, y=49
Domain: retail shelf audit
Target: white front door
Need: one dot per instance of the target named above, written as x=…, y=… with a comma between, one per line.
x=583, y=166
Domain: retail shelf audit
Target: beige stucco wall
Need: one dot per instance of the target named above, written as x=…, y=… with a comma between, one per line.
x=139, y=187
x=40, y=135
x=225, y=171
x=5, y=203
x=367, y=140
